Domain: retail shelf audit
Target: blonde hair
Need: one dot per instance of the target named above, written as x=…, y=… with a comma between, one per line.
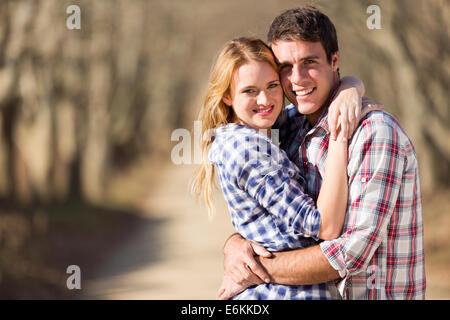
x=214, y=112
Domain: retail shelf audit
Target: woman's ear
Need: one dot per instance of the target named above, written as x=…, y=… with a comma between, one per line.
x=227, y=99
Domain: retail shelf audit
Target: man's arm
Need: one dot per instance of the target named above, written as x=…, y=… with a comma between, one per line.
x=296, y=267
x=376, y=169
x=299, y=267
x=376, y=172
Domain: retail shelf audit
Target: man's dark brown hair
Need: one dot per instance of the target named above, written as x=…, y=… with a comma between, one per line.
x=306, y=24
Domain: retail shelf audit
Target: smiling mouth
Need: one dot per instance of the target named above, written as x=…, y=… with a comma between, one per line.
x=264, y=110
x=304, y=93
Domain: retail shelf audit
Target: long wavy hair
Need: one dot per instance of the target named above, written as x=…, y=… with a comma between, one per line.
x=214, y=112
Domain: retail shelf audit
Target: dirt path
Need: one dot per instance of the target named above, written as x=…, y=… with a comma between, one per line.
x=188, y=257
x=178, y=253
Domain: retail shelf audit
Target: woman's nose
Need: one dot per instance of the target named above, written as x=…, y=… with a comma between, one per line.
x=263, y=99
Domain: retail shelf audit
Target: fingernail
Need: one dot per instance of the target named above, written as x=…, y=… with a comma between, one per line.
x=267, y=280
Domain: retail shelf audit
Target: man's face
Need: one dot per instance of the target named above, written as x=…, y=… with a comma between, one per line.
x=306, y=76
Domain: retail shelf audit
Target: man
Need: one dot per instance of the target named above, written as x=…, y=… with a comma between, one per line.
x=380, y=252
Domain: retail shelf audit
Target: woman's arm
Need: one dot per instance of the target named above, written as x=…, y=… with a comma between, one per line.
x=274, y=182
x=349, y=106
x=345, y=108
x=332, y=200
x=332, y=205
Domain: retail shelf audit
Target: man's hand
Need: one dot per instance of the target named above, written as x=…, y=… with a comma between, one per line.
x=229, y=289
x=240, y=264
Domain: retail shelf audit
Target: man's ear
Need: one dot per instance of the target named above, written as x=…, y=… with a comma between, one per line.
x=335, y=61
x=227, y=99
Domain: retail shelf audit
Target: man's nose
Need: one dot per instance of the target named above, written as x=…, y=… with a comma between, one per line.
x=298, y=74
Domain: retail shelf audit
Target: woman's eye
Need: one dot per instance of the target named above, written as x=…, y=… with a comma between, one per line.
x=250, y=91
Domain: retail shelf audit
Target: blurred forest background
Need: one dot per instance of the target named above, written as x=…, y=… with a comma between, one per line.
x=86, y=118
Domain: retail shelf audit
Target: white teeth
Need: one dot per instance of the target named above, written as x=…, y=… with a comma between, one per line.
x=304, y=92
x=264, y=110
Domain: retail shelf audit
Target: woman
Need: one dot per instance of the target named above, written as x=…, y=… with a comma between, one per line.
x=263, y=188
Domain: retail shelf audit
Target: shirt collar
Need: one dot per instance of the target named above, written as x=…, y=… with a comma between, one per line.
x=323, y=119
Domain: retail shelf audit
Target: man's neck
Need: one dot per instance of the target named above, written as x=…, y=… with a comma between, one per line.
x=314, y=117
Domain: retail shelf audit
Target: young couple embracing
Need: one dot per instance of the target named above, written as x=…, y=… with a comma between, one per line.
x=334, y=210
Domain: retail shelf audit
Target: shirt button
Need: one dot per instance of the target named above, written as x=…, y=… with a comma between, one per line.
x=363, y=179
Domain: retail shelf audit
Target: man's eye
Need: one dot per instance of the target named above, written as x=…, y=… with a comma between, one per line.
x=273, y=85
x=309, y=61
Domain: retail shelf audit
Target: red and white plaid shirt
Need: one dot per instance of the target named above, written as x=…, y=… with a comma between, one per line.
x=380, y=253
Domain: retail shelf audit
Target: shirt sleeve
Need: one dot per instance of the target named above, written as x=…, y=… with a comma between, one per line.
x=375, y=174
x=269, y=177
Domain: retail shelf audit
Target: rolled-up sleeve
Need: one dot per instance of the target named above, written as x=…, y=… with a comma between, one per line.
x=375, y=171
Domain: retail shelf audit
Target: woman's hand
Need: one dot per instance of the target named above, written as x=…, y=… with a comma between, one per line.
x=369, y=105
x=240, y=265
x=348, y=108
x=345, y=109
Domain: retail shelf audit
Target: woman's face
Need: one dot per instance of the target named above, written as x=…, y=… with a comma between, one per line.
x=255, y=95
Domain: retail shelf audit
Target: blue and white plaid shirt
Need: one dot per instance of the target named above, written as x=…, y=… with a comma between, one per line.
x=267, y=203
